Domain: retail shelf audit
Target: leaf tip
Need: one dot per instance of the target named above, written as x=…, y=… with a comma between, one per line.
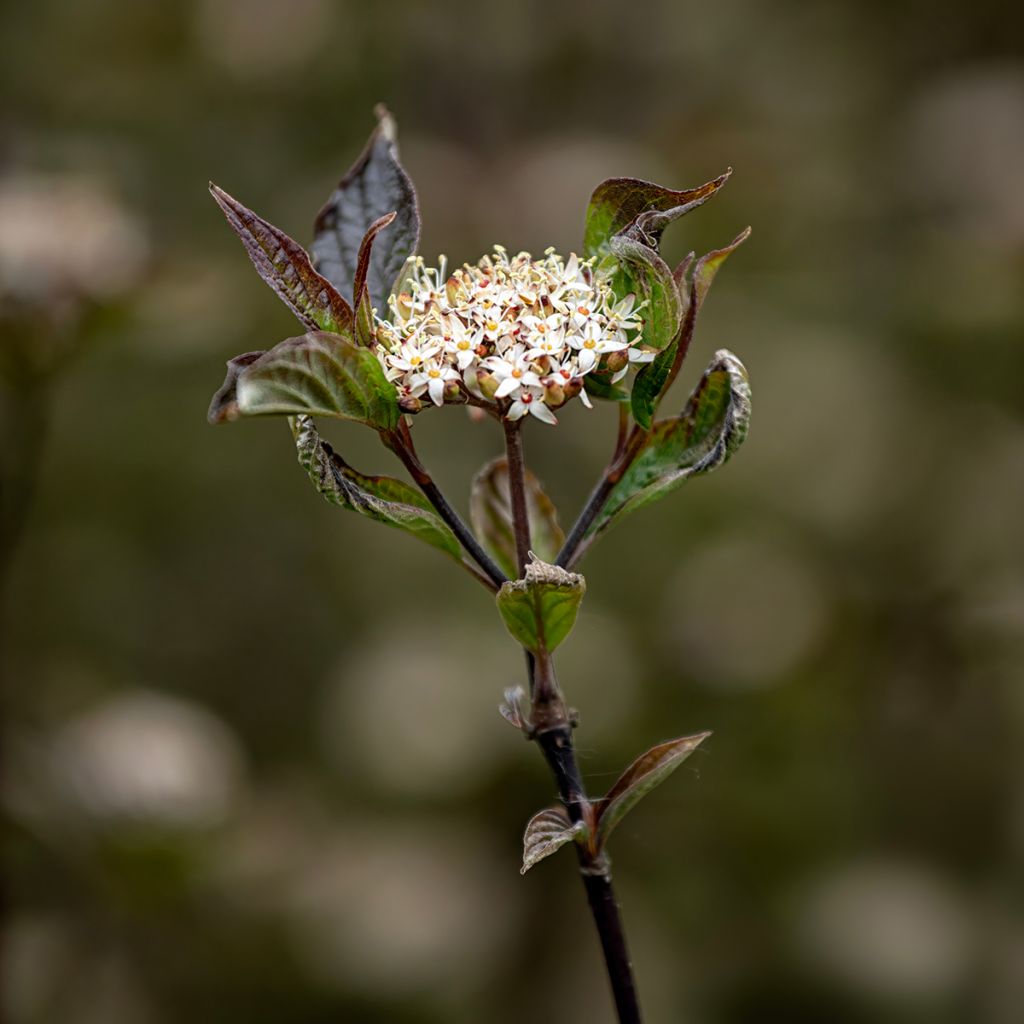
x=386, y=124
x=224, y=406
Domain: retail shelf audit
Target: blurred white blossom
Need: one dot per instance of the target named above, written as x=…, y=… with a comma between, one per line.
x=888, y=928
x=149, y=758
x=66, y=236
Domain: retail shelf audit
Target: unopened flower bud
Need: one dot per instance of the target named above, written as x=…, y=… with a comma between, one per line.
x=410, y=404
x=572, y=388
x=454, y=394
x=454, y=290
x=554, y=393
x=403, y=305
x=488, y=384
x=615, y=361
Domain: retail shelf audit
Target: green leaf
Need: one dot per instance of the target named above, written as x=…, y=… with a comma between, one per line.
x=646, y=772
x=375, y=185
x=321, y=375
x=712, y=426
x=618, y=202
x=286, y=267
x=547, y=832
x=381, y=498
x=540, y=610
x=490, y=512
x=656, y=377
x=652, y=279
x=649, y=384
x=598, y=385
x=655, y=284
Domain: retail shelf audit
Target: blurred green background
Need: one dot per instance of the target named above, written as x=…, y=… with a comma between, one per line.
x=253, y=769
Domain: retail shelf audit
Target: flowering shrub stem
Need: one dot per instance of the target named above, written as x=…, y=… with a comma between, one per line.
x=556, y=744
x=401, y=445
x=517, y=490
x=626, y=450
x=511, y=337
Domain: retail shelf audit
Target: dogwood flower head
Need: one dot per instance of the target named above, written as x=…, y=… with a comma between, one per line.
x=517, y=334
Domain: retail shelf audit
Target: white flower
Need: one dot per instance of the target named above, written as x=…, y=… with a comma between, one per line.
x=513, y=320
x=459, y=343
x=531, y=400
x=513, y=371
x=551, y=344
x=581, y=312
x=432, y=377
x=538, y=328
x=411, y=356
x=621, y=317
x=593, y=343
x=641, y=355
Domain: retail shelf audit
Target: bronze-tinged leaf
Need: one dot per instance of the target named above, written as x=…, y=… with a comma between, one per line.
x=708, y=266
x=490, y=511
x=546, y=832
x=618, y=202
x=361, y=295
x=655, y=378
x=224, y=406
x=318, y=374
x=712, y=426
x=287, y=268
x=540, y=609
x=646, y=772
x=381, y=498
x=376, y=184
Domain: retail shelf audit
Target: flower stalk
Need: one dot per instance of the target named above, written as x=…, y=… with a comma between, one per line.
x=517, y=491
x=400, y=442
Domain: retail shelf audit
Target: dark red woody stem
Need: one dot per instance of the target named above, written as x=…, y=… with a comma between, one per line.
x=555, y=742
x=400, y=442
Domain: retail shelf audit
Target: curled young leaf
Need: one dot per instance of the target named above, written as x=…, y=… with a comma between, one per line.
x=318, y=374
x=375, y=185
x=381, y=498
x=286, y=267
x=546, y=832
x=490, y=512
x=512, y=709
x=655, y=284
x=712, y=426
x=540, y=609
x=646, y=772
x=618, y=202
x=656, y=377
x=224, y=405
x=361, y=295
x=651, y=277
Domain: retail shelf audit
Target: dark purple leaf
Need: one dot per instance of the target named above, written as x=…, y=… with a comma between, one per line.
x=376, y=185
x=286, y=267
x=618, y=202
x=361, y=297
x=646, y=772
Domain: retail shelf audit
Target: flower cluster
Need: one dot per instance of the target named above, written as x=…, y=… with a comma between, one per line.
x=515, y=333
